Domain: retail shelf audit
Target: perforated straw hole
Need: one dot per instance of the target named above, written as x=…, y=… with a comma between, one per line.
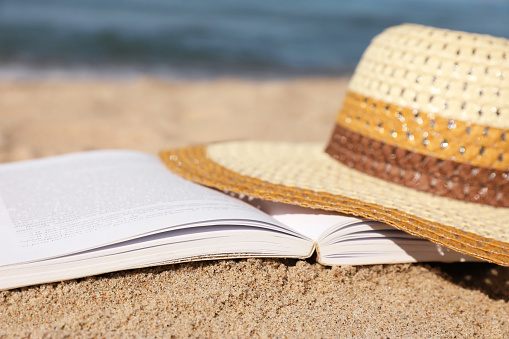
x=456, y=170
x=483, y=191
x=499, y=196
x=401, y=174
x=433, y=182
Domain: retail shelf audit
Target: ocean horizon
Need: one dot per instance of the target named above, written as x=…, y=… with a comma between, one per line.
x=197, y=39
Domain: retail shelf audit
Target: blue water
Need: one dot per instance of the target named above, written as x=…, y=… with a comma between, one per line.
x=205, y=37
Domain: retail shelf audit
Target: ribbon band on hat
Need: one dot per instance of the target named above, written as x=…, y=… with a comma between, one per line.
x=425, y=173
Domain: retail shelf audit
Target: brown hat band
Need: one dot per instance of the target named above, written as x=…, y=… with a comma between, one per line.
x=422, y=172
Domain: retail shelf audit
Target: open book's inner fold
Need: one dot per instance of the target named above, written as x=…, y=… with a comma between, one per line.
x=342, y=239
x=310, y=222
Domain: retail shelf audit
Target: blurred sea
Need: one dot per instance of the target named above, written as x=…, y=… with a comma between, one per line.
x=203, y=38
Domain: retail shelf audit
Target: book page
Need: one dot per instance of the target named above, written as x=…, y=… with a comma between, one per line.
x=372, y=242
x=310, y=222
x=65, y=204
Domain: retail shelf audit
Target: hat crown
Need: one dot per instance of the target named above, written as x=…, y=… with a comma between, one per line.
x=429, y=108
x=455, y=75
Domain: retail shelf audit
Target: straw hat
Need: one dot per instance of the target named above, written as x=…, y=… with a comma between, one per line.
x=421, y=143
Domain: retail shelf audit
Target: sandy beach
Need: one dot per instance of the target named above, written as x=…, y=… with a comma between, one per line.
x=233, y=298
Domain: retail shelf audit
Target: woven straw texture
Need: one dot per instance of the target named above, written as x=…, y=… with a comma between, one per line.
x=437, y=95
x=452, y=74
x=425, y=173
x=443, y=138
x=303, y=174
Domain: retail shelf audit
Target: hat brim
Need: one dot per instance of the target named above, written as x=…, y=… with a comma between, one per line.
x=303, y=174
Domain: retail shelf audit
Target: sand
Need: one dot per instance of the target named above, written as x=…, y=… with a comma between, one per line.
x=234, y=298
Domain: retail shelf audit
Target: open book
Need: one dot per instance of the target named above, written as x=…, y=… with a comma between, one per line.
x=94, y=212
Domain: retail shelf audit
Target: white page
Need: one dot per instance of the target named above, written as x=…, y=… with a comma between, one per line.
x=64, y=204
x=310, y=222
